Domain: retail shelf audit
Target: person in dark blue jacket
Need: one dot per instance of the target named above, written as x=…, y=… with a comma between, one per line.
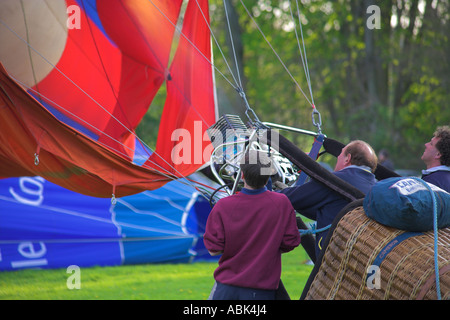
x=437, y=159
x=355, y=165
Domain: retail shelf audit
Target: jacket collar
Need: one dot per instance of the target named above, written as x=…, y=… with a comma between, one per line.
x=434, y=169
x=253, y=191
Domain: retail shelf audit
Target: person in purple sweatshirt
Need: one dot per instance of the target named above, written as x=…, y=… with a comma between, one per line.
x=251, y=229
x=437, y=159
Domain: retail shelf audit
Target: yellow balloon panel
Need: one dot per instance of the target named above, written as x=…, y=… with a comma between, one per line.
x=41, y=24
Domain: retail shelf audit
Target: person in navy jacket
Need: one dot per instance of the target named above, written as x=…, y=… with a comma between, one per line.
x=437, y=159
x=355, y=165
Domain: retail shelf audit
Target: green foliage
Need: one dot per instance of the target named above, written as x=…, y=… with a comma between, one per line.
x=149, y=126
x=388, y=86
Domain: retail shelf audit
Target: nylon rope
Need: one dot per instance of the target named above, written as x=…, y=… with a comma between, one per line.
x=318, y=123
x=313, y=230
x=28, y=38
x=218, y=46
x=199, y=51
x=102, y=64
x=97, y=103
x=193, y=45
x=238, y=89
x=109, y=81
x=238, y=86
x=275, y=52
x=108, y=221
x=162, y=66
x=232, y=44
x=302, y=52
x=435, y=233
x=167, y=175
x=305, y=67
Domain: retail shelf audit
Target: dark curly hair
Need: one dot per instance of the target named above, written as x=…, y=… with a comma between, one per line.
x=443, y=145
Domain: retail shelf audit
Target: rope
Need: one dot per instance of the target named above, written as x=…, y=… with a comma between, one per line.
x=237, y=87
x=193, y=45
x=313, y=230
x=274, y=51
x=211, y=204
x=100, y=240
x=168, y=175
x=29, y=50
x=238, y=82
x=232, y=44
x=435, y=231
x=220, y=50
x=315, y=112
x=302, y=52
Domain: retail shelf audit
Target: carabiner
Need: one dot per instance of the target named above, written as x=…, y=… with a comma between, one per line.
x=113, y=199
x=316, y=124
x=36, y=159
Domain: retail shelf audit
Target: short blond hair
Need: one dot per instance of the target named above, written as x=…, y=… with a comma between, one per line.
x=362, y=154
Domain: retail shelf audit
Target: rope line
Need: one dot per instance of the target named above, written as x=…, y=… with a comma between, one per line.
x=232, y=44
x=302, y=51
x=104, y=109
x=28, y=39
x=275, y=52
x=435, y=232
x=304, y=60
x=313, y=230
x=219, y=47
x=193, y=45
x=238, y=88
x=189, y=182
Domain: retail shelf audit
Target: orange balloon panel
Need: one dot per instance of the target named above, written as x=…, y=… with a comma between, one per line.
x=90, y=70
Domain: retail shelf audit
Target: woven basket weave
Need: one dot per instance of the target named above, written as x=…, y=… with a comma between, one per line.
x=406, y=270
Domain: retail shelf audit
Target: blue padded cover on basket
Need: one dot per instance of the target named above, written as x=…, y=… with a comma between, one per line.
x=407, y=204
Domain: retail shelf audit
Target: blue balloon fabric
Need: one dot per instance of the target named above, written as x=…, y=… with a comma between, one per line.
x=43, y=225
x=407, y=204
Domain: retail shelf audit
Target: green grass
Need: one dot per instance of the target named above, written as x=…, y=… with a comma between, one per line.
x=133, y=282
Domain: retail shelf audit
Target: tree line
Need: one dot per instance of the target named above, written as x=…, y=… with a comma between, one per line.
x=376, y=75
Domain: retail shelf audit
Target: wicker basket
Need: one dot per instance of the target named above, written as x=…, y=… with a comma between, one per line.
x=405, y=262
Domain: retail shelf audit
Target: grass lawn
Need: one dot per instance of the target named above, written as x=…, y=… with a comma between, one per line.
x=133, y=282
